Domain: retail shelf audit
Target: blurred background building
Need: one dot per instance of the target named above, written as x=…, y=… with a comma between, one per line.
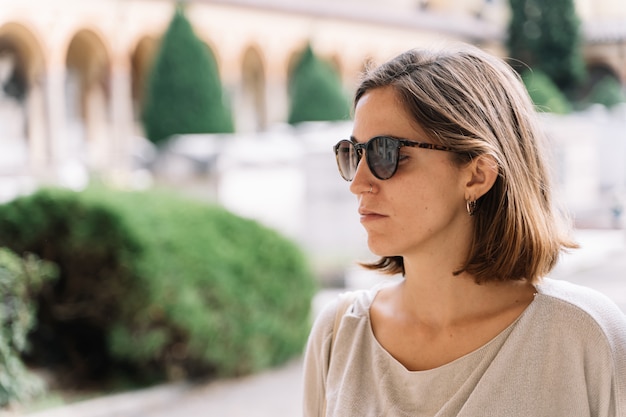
x=73, y=74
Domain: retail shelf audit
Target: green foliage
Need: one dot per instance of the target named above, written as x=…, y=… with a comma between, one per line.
x=20, y=280
x=608, y=92
x=205, y=291
x=545, y=35
x=184, y=92
x=546, y=96
x=96, y=255
x=315, y=91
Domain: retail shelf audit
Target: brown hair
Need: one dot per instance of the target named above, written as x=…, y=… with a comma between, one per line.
x=474, y=103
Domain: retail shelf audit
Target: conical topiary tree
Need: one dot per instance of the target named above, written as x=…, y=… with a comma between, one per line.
x=545, y=35
x=184, y=92
x=315, y=91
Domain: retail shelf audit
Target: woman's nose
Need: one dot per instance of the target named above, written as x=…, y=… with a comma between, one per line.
x=363, y=178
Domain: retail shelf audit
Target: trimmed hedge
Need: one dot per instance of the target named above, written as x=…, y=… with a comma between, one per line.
x=173, y=285
x=20, y=280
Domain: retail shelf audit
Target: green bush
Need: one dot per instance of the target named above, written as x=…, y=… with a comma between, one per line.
x=608, y=92
x=315, y=91
x=189, y=288
x=20, y=280
x=544, y=93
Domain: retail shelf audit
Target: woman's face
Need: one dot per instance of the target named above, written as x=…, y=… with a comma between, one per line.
x=421, y=209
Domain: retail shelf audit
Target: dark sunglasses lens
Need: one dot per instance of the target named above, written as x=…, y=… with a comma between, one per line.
x=382, y=157
x=347, y=159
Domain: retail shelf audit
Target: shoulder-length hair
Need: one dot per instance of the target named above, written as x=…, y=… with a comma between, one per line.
x=474, y=103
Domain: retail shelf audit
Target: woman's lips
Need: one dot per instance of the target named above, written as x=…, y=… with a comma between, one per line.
x=369, y=216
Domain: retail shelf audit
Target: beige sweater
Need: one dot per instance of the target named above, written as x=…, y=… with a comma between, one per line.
x=565, y=356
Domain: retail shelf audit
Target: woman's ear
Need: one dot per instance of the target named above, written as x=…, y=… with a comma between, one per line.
x=482, y=172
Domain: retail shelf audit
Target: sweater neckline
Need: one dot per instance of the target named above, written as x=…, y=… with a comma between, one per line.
x=495, y=343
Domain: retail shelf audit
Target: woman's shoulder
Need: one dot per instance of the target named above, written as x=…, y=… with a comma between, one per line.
x=355, y=303
x=590, y=307
x=328, y=320
x=352, y=303
x=578, y=320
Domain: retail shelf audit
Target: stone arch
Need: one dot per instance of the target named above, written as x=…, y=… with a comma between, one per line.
x=252, y=107
x=293, y=58
x=87, y=87
x=142, y=59
x=599, y=69
x=336, y=63
x=342, y=67
x=22, y=105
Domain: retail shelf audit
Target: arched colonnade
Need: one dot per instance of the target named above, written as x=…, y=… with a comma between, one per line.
x=73, y=72
x=72, y=78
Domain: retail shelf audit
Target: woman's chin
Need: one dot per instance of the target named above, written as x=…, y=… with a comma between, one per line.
x=380, y=250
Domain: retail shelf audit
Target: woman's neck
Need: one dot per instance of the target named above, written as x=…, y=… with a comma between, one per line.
x=435, y=295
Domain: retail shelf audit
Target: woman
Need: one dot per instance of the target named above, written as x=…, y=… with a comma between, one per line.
x=447, y=163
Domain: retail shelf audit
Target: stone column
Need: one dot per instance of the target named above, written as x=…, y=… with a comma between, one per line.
x=97, y=128
x=122, y=131
x=54, y=90
x=277, y=98
x=39, y=149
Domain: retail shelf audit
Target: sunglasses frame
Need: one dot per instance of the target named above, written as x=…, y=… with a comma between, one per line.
x=399, y=143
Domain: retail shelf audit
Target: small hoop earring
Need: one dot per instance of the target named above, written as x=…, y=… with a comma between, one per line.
x=371, y=188
x=470, y=205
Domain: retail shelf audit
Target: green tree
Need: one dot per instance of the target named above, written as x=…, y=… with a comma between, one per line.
x=545, y=35
x=315, y=91
x=184, y=92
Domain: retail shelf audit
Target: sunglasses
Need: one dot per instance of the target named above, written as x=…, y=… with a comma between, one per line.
x=381, y=153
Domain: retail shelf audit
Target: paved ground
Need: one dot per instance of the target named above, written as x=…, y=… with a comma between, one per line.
x=274, y=393
x=600, y=264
